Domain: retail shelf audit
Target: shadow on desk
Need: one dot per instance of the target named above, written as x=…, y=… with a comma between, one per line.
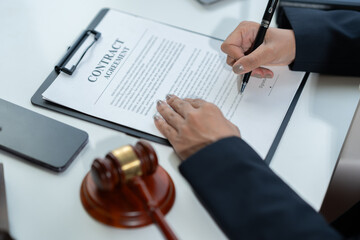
x=341, y=205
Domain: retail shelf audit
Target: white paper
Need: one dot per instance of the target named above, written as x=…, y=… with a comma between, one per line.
x=137, y=62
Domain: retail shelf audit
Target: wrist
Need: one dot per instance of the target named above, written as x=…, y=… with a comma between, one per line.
x=292, y=43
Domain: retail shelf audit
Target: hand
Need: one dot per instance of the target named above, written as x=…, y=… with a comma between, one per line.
x=192, y=124
x=278, y=48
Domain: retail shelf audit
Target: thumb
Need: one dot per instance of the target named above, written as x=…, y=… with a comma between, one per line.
x=258, y=57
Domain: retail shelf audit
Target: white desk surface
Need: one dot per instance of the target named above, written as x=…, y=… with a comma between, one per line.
x=43, y=205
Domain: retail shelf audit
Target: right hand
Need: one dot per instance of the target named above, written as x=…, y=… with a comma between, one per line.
x=278, y=48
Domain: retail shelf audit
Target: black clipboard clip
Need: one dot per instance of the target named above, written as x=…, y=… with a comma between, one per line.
x=72, y=50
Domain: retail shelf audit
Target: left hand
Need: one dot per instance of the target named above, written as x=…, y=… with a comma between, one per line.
x=191, y=124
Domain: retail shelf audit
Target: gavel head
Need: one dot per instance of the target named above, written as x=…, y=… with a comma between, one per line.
x=123, y=164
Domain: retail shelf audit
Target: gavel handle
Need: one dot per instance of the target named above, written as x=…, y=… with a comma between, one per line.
x=156, y=214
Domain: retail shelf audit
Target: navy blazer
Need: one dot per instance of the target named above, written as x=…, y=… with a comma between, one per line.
x=326, y=41
x=242, y=194
x=246, y=198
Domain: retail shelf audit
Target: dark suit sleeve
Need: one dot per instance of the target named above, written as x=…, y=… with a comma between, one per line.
x=246, y=199
x=326, y=41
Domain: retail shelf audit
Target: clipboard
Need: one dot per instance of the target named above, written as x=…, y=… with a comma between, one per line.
x=38, y=100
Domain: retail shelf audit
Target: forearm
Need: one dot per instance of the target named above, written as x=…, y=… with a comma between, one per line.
x=246, y=199
x=326, y=41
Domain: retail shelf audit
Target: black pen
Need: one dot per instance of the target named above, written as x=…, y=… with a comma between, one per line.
x=269, y=12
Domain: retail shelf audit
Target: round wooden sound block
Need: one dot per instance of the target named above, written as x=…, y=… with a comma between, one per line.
x=123, y=207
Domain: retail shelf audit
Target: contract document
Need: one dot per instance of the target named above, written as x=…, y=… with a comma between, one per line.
x=138, y=61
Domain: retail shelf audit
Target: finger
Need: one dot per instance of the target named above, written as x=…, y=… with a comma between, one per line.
x=233, y=51
x=262, y=72
x=169, y=115
x=195, y=102
x=240, y=40
x=230, y=61
x=261, y=56
x=168, y=131
x=180, y=106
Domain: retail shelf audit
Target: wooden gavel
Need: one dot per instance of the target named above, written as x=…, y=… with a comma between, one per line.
x=127, y=165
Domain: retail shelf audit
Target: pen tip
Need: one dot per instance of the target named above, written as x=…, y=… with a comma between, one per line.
x=242, y=88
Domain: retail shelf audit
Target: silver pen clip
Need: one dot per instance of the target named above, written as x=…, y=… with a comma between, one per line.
x=271, y=8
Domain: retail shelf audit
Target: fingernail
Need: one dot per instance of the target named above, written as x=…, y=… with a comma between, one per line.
x=268, y=75
x=156, y=117
x=159, y=102
x=238, y=69
x=257, y=75
x=169, y=96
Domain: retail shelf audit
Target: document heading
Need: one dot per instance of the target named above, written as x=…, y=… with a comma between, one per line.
x=109, y=63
